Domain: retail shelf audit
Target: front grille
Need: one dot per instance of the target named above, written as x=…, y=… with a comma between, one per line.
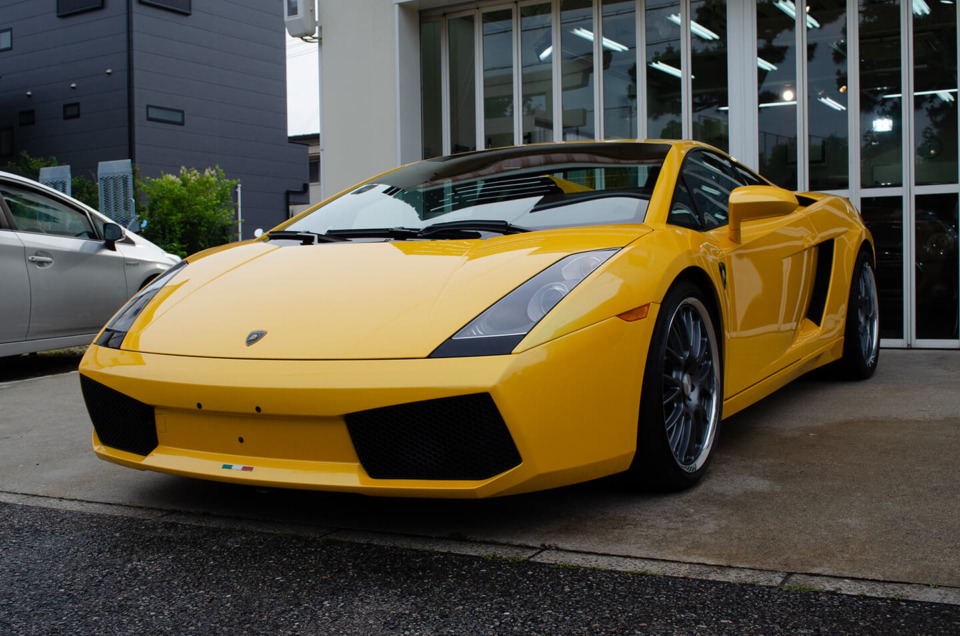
x=461, y=437
x=120, y=421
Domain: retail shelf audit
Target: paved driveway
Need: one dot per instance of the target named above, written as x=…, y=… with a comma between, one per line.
x=853, y=480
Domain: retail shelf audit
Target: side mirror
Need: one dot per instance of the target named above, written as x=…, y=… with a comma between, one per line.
x=111, y=234
x=758, y=202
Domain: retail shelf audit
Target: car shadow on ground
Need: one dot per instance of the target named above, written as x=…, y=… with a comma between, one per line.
x=35, y=365
x=450, y=518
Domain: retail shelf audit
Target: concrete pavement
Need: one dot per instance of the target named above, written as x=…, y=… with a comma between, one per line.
x=845, y=486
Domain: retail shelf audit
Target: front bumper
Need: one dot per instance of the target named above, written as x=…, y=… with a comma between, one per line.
x=569, y=408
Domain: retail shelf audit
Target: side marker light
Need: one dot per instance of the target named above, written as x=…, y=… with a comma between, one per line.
x=638, y=313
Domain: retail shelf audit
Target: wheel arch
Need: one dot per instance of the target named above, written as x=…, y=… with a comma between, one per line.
x=699, y=277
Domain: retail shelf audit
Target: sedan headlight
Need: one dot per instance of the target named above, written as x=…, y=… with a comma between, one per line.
x=501, y=327
x=116, y=330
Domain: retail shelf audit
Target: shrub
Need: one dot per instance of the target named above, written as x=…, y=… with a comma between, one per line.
x=82, y=188
x=188, y=212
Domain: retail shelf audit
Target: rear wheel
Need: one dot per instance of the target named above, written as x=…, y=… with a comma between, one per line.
x=682, y=393
x=861, y=340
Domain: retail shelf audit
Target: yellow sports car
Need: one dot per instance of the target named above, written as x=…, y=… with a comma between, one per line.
x=489, y=323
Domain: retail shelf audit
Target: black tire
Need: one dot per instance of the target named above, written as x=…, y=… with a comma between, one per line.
x=682, y=399
x=861, y=335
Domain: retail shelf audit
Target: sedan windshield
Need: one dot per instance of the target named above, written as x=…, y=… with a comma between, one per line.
x=518, y=189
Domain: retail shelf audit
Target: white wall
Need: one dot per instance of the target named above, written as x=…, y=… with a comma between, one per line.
x=362, y=131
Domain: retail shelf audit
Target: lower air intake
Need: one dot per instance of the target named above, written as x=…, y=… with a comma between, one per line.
x=456, y=438
x=120, y=421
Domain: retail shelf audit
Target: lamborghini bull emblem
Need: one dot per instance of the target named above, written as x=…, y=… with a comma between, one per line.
x=254, y=337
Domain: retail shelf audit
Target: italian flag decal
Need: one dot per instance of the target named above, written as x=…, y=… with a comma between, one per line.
x=237, y=467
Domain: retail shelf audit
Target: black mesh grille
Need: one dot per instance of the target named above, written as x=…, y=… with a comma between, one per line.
x=120, y=421
x=460, y=437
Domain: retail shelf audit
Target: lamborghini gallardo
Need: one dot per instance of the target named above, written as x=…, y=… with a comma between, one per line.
x=490, y=323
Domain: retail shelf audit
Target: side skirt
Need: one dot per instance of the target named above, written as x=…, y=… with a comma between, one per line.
x=825, y=355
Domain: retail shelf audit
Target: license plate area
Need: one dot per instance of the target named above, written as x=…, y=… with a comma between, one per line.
x=316, y=439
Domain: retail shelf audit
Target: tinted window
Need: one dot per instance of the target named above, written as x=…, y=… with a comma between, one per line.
x=708, y=181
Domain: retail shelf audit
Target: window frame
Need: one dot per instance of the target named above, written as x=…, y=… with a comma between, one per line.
x=159, y=120
x=167, y=6
x=91, y=5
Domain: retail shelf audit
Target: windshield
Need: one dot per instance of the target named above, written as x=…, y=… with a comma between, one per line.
x=530, y=187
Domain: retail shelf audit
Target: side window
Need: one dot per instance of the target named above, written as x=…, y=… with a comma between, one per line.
x=746, y=177
x=683, y=211
x=33, y=212
x=708, y=178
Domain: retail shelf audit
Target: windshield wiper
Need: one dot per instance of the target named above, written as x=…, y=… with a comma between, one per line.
x=467, y=229
x=396, y=233
x=469, y=225
x=305, y=238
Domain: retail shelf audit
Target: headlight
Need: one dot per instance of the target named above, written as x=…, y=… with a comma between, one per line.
x=116, y=330
x=501, y=327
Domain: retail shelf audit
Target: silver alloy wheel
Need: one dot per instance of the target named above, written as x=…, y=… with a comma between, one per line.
x=868, y=316
x=691, y=385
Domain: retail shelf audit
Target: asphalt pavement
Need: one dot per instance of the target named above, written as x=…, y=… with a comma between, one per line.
x=824, y=486
x=128, y=575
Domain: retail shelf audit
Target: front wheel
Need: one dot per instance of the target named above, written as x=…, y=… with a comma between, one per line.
x=682, y=396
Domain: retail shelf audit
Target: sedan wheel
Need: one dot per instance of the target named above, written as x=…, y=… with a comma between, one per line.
x=682, y=393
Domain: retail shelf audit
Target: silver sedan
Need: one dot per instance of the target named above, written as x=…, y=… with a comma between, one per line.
x=64, y=268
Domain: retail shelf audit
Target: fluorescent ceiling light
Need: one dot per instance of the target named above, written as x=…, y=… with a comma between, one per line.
x=696, y=29
x=607, y=42
x=944, y=94
x=791, y=10
x=772, y=104
x=666, y=68
x=920, y=8
x=765, y=65
x=882, y=125
x=546, y=53
x=831, y=103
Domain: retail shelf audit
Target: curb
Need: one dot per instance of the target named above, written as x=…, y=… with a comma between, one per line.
x=550, y=555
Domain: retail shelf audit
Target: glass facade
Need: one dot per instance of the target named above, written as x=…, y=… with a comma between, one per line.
x=827, y=83
x=935, y=92
x=881, y=109
x=498, y=78
x=536, y=73
x=808, y=92
x=665, y=70
x=777, y=81
x=620, y=69
x=463, y=90
x=431, y=108
x=708, y=72
x=577, y=35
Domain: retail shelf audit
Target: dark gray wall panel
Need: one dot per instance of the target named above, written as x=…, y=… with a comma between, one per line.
x=225, y=67
x=49, y=55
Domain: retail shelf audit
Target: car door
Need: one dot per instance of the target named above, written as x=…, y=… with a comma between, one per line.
x=766, y=273
x=14, y=284
x=76, y=281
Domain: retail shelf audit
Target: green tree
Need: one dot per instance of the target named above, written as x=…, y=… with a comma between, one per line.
x=188, y=212
x=82, y=188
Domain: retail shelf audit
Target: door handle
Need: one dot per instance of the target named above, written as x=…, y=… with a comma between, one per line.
x=40, y=260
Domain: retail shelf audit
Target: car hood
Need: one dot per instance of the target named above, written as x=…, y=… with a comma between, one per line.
x=371, y=300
